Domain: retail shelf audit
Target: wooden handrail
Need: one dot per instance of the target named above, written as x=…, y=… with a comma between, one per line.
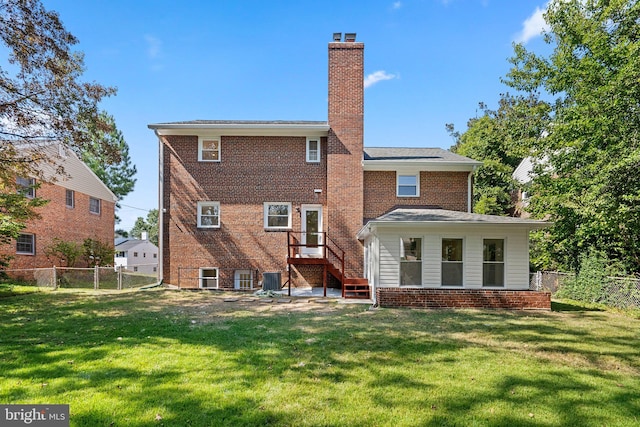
x=328, y=245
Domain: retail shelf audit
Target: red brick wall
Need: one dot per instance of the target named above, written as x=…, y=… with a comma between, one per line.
x=345, y=152
x=64, y=223
x=463, y=298
x=447, y=190
x=253, y=170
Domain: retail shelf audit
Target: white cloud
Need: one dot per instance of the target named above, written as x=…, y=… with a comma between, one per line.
x=532, y=27
x=378, y=76
x=154, y=46
x=396, y=5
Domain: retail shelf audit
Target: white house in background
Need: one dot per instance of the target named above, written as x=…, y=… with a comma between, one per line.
x=138, y=256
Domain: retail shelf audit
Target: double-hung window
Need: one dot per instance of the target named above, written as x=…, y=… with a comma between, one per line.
x=94, y=205
x=26, y=244
x=208, y=214
x=208, y=277
x=209, y=149
x=408, y=185
x=410, y=261
x=26, y=186
x=452, y=262
x=493, y=262
x=277, y=215
x=70, y=198
x=313, y=150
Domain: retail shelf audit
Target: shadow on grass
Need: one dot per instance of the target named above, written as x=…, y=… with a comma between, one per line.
x=572, y=306
x=125, y=358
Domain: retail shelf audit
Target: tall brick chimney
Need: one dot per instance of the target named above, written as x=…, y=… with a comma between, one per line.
x=345, y=147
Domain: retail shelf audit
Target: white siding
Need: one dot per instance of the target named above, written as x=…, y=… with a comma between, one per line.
x=385, y=253
x=78, y=175
x=431, y=264
x=389, y=259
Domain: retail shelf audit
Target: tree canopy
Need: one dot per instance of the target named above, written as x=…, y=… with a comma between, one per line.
x=43, y=99
x=149, y=225
x=117, y=175
x=500, y=139
x=589, y=183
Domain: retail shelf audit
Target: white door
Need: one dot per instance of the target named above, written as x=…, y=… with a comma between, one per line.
x=312, y=229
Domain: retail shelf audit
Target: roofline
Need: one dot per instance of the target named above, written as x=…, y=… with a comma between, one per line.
x=240, y=128
x=426, y=164
x=528, y=224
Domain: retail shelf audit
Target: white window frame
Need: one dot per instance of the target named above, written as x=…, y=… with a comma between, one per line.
x=503, y=262
x=317, y=151
x=203, y=204
x=201, y=277
x=405, y=261
x=71, y=193
x=201, y=140
x=33, y=244
x=99, y=205
x=266, y=216
x=462, y=262
x=238, y=280
x=416, y=175
x=26, y=186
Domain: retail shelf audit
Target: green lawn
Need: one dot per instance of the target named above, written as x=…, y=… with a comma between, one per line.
x=159, y=357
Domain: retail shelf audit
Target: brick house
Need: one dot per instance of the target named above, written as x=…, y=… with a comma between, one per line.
x=239, y=199
x=80, y=206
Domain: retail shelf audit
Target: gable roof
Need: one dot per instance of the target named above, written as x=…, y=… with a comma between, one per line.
x=132, y=243
x=77, y=175
x=243, y=127
x=419, y=216
x=394, y=158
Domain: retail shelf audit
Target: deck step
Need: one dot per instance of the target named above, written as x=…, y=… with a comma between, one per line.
x=356, y=287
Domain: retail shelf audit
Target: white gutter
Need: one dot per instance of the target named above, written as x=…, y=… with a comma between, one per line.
x=241, y=129
x=469, y=189
x=160, y=208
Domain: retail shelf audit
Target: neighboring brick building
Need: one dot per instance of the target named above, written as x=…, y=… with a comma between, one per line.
x=80, y=206
x=243, y=198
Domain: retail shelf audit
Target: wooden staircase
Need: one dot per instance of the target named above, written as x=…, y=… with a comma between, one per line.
x=332, y=259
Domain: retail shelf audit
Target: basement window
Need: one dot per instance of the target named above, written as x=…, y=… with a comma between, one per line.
x=209, y=278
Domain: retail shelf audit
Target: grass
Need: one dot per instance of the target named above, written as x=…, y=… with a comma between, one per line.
x=159, y=357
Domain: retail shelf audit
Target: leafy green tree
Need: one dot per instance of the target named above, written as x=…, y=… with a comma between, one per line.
x=66, y=252
x=150, y=225
x=500, y=139
x=117, y=175
x=42, y=99
x=589, y=184
x=97, y=253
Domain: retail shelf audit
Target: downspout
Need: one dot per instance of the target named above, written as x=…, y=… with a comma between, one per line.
x=470, y=191
x=160, y=208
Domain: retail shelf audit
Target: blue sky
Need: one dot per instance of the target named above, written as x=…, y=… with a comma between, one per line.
x=427, y=62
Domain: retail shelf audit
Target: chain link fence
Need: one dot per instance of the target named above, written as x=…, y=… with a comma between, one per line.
x=620, y=292
x=82, y=278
